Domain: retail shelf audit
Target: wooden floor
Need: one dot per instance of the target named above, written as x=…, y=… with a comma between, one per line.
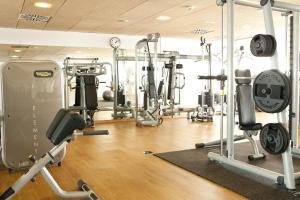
x=116, y=167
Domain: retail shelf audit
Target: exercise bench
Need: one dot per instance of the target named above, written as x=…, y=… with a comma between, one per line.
x=60, y=133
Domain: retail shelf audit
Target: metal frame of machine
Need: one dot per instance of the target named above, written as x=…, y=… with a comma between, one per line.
x=29, y=89
x=80, y=67
x=151, y=112
x=121, y=112
x=287, y=178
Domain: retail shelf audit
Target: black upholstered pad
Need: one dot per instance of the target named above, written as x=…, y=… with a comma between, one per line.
x=243, y=74
x=91, y=98
x=63, y=126
x=252, y=127
x=246, y=105
x=55, y=122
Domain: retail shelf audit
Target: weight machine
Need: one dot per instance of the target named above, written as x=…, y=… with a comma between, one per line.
x=85, y=72
x=175, y=80
x=122, y=107
x=150, y=114
x=31, y=92
x=288, y=176
x=122, y=60
x=205, y=109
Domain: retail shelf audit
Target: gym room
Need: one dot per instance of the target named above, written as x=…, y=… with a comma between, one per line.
x=149, y=99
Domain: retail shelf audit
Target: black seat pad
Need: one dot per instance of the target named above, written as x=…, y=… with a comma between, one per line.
x=91, y=98
x=245, y=102
x=251, y=127
x=63, y=126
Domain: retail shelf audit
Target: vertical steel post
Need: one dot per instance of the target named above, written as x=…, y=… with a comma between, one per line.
x=230, y=68
x=115, y=81
x=288, y=167
x=295, y=83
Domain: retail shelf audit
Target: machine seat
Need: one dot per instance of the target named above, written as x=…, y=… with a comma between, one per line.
x=251, y=127
x=63, y=125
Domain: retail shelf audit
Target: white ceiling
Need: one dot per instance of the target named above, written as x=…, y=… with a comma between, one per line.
x=102, y=16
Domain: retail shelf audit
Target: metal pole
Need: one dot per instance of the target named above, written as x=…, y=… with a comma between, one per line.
x=269, y=25
x=115, y=81
x=289, y=179
x=295, y=83
x=136, y=82
x=287, y=6
x=230, y=67
x=82, y=98
x=277, y=6
x=222, y=83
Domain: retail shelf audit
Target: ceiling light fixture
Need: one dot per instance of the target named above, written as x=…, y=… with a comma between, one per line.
x=210, y=22
x=163, y=18
x=17, y=50
x=15, y=56
x=189, y=7
x=201, y=31
x=41, y=4
x=246, y=27
x=123, y=20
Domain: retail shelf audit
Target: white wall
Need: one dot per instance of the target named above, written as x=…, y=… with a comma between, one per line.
x=184, y=46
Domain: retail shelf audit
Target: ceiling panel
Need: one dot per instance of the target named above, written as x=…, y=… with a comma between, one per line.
x=28, y=8
x=104, y=16
x=9, y=12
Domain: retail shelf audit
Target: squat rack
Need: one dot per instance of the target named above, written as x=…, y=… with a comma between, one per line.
x=288, y=176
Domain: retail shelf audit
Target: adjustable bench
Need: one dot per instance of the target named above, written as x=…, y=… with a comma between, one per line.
x=60, y=133
x=246, y=110
x=246, y=113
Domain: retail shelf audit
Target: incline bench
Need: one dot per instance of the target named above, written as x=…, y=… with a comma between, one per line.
x=60, y=133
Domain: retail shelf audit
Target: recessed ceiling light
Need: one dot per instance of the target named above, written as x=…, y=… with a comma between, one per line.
x=17, y=50
x=163, y=18
x=246, y=27
x=210, y=22
x=41, y=4
x=15, y=56
x=123, y=20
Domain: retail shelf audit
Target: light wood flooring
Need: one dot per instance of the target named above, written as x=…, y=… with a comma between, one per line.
x=116, y=167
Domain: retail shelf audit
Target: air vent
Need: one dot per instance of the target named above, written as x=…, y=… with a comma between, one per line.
x=201, y=31
x=19, y=46
x=34, y=18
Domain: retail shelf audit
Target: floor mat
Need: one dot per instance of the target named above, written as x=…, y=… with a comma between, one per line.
x=196, y=161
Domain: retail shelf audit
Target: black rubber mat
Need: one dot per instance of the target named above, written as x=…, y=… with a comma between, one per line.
x=196, y=161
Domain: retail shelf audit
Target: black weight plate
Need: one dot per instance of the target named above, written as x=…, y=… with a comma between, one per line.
x=274, y=138
x=274, y=45
x=271, y=91
x=269, y=45
x=263, y=45
x=257, y=45
x=286, y=137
